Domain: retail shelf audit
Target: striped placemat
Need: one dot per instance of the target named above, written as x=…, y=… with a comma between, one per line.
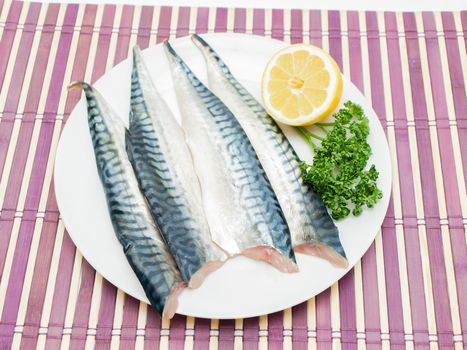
x=410, y=288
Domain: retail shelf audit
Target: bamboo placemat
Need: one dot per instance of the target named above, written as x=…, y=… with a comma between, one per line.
x=410, y=288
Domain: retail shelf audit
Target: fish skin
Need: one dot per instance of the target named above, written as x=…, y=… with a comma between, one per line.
x=164, y=168
x=134, y=227
x=244, y=214
x=311, y=226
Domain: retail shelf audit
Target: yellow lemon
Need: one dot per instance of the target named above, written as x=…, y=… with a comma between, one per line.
x=301, y=85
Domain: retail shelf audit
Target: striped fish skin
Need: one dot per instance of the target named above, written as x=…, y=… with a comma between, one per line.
x=313, y=230
x=164, y=168
x=134, y=227
x=242, y=209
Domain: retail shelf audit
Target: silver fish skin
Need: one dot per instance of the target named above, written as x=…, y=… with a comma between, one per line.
x=242, y=209
x=313, y=230
x=134, y=227
x=164, y=168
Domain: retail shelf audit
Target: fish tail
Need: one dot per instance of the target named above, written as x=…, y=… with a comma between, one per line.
x=172, y=301
x=200, y=275
x=333, y=253
x=271, y=256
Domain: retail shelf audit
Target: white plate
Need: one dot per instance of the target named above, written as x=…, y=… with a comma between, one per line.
x=242, y=287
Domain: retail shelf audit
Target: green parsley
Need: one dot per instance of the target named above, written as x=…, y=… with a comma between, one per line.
x=338, y=171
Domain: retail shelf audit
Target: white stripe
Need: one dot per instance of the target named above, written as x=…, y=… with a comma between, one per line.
x=54, y=263
x=230, y=19
x=142, y=318
x=306, y=26
x=249, y=21
x=267, y=22
x=211, y=19
x=325, y=30
x=286, y=26
x=192, y=20
x=113, y=39
x=155, y=24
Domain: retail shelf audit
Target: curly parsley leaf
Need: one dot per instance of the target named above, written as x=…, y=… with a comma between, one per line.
x=338, y=171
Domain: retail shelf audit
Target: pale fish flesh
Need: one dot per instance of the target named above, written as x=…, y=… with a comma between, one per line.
x=313, y=230
x=134, y=227
x=241, y=207
x=164, y=168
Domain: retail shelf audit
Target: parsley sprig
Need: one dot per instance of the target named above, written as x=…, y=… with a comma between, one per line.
x=338, y=171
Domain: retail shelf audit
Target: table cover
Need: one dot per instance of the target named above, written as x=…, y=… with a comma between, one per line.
x=408, y=291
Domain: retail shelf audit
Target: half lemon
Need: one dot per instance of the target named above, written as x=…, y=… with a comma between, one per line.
x=302, y=84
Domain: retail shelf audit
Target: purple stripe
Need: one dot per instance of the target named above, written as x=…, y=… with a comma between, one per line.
x=315, y=28
x=323, y=320
x=258, y=22
x=250, y=333
x=202, y=328
x=391, y=263
x=451, y=189
x=144, y=30
x=106, y=316
x=226, y=334
x=104, y=42
x=438, y=273
x=124, y=32
x=335, y=46
x=8, y=37
x=82, y=307
x=276, y=330
x=299, y=327
x=153, y=330
x=129, y=323
x=240, y=20
x=183, y=24
x=371, y=299
x=177, y=332
x=296, y=26
x=355, y=52
x=163, y=30
x=464, y=25
x=413, y=254
x=277, y=24
x=221, y=20
x=2, y=3
x=202, y=20
x=80, y=62
x=60, y=299
x=457, y=80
